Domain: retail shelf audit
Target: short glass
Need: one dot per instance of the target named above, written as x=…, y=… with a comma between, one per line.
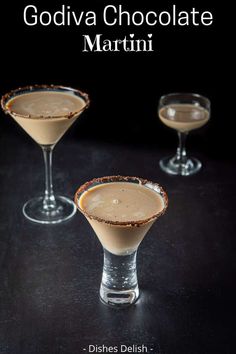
x=49, y=208
x=183, y=112
x=120, y=241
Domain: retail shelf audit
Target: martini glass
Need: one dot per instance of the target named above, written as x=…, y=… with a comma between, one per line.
x=183, y=112
x=121, y=239
x=45, y=112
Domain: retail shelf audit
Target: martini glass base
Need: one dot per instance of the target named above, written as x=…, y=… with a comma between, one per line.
x=173, y=166
x=118, y=298
x=119, y=285
x=35, y=211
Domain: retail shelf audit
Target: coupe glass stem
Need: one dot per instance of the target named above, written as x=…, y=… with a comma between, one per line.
x=181, y=155
x=49, y=201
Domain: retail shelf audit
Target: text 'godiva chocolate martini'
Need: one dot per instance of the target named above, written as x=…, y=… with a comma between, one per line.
x=45, y=112
x=120, y=210
x=45, y=115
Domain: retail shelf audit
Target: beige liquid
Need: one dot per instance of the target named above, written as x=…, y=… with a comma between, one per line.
x=184, y=117
x=44, y=114
x=121, y=202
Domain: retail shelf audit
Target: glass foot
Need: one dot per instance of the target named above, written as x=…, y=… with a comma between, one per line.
x=173, y=166
x=118, y=298
x=34, y=210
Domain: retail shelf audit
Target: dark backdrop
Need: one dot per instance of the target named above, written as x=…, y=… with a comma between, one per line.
x=125, y=87
x=49, y=277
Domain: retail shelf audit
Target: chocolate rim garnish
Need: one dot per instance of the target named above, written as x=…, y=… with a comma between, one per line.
x=30, y=88
x=155, y=186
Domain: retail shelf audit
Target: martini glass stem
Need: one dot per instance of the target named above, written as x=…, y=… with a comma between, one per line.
x=49, y=201
x=119, y=284
x=181, y=155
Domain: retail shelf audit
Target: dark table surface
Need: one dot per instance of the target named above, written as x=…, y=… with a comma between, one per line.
x=50, y=275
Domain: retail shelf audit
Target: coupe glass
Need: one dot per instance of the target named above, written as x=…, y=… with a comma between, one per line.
x=183, y=112
x=120, y=241
x=49, y=208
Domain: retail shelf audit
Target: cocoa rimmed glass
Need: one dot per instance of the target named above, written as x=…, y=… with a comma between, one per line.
x=49, y=208
x=119, y=284
x=181, y=164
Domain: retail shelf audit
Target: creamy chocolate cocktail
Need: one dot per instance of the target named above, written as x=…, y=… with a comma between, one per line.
x=45, y=112
x=183, y=112
x=120, y=204
x=184, y=117
x=120, y=210
x=45, y=115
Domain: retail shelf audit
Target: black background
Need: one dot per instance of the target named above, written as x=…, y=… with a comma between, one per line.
x=50, y=276
x=194, y=59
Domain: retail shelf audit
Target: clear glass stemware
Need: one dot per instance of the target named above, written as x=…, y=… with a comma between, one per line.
x=49, y=208
x=120, y=241
x=183, y=112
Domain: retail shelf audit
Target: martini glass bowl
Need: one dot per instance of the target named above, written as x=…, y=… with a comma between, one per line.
x=46, y=128
x=120, y=240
